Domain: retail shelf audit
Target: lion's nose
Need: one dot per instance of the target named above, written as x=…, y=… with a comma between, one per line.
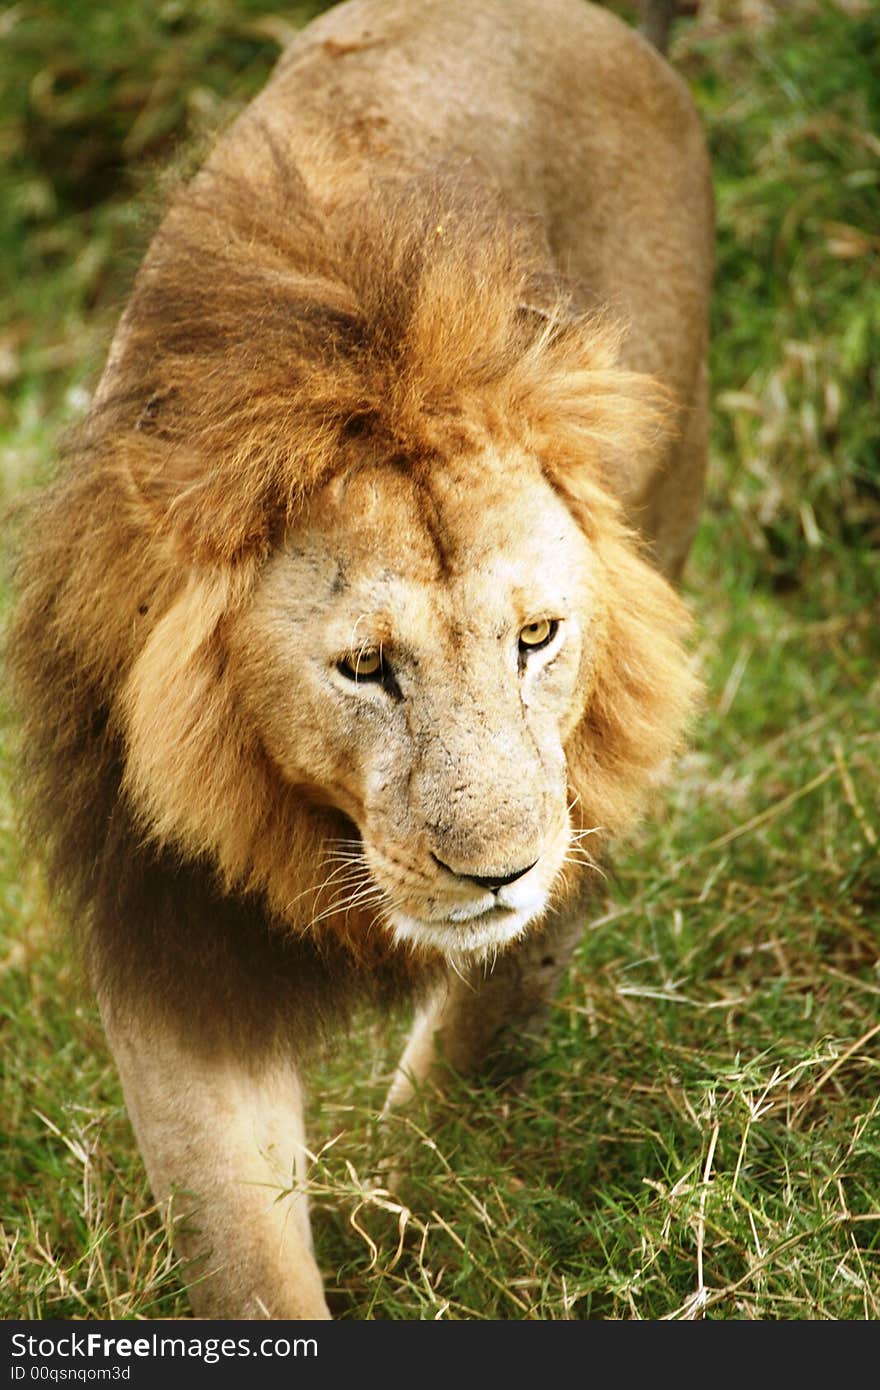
x=491, y=881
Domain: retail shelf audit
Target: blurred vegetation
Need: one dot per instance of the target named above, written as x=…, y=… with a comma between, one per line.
x=700, y=1135
x=796, y=146
x=96, y=100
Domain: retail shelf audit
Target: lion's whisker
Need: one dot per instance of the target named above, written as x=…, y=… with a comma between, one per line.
x=585, y=832
x=317, y=888
x=344, y=904
x=453, y=965
x=581, y=859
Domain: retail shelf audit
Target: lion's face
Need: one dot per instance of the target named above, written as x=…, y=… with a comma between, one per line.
x=416, y=656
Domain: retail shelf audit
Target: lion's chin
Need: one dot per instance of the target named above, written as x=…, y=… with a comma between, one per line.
x=475, y=938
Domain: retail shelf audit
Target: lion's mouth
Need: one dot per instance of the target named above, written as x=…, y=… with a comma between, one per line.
x=433, y=914
x=473, y=931
x=478, y=912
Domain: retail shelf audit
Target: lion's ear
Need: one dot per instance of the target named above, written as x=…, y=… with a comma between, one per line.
x=164, y=468
x=179, y=482
x=592, y=420
x=203, y=510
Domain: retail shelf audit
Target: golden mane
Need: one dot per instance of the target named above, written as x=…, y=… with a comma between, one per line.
x=271, y=339
x=274, y=338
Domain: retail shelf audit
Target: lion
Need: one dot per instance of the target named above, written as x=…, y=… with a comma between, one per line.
x=346, y=637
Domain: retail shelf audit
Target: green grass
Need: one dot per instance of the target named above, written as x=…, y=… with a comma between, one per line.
x=699, y=1133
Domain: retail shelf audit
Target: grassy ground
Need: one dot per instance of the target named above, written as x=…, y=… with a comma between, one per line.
x=700, y=1133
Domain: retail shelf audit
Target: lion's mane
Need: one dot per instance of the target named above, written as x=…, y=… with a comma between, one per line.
x=275, y=336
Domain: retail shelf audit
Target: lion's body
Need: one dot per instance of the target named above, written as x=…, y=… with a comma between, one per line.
x=335, y=641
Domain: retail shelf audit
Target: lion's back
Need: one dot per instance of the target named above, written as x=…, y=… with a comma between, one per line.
x=573, y=116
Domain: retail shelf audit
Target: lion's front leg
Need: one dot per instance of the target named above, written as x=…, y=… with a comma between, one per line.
x=226, y=1138
x=476, y=1014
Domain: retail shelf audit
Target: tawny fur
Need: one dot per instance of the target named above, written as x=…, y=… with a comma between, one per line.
x=331, y=294
x=394, y=327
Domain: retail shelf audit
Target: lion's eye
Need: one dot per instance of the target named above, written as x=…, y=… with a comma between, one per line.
x=536, y=635
x=363, y=666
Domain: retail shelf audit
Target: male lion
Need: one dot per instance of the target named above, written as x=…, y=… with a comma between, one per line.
x=337, y=651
